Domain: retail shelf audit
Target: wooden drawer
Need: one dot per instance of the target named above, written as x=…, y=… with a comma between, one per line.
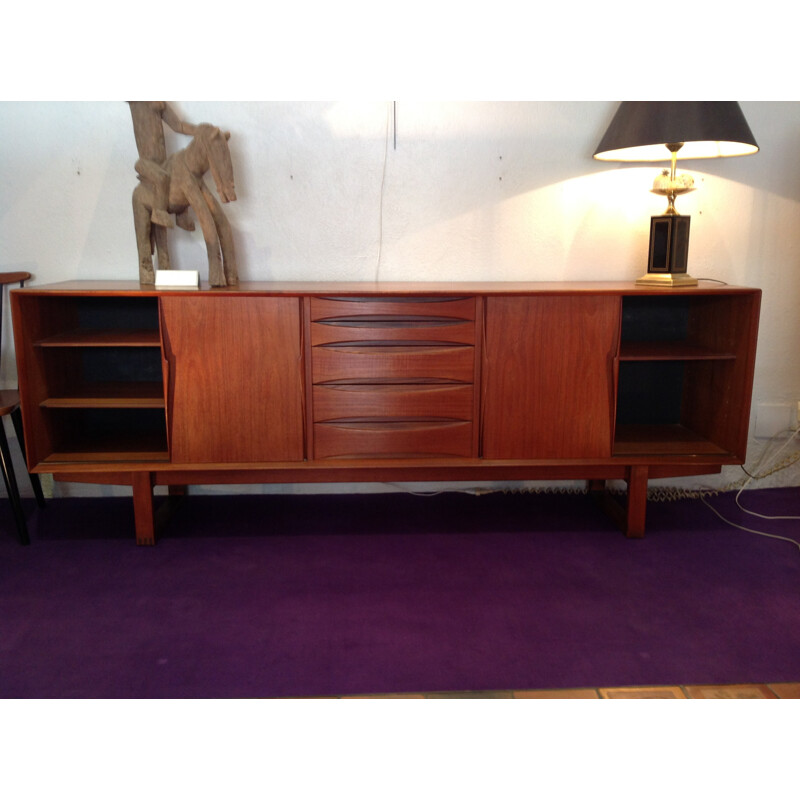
x=419, y=331
x=456, y=308
x=398, y=364
x=393, y=402
x=392, y=439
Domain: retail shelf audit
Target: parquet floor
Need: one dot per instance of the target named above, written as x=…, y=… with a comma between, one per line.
x=748, y=691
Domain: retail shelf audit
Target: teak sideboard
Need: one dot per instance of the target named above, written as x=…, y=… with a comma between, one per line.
x=350, y=382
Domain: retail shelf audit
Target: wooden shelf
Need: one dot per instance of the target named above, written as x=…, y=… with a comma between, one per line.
x=669, y=351
x=109, y=447
x=103, y=338
x=636, y=440
x=111, y=395
x=109, y=456
x=97, y=443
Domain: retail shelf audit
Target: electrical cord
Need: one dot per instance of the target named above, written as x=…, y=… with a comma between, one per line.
x=758, y=476
x=752, y=530
x=782, y=465
x=662, y=493
x=415, y=492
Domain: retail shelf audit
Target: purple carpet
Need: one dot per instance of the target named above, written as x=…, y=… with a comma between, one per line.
x=285, y=596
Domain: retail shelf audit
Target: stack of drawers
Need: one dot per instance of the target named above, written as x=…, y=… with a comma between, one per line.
x=393, y=377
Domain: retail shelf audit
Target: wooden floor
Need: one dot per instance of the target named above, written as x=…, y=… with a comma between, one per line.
x=741, y=691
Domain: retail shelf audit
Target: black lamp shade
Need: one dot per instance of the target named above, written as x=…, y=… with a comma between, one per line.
x=640, y=131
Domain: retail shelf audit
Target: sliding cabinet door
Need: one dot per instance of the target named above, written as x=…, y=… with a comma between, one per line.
x=234, y=377
x=548, y=386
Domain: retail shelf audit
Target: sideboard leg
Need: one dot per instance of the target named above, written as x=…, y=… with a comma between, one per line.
x=637, y=502
x=142, y=483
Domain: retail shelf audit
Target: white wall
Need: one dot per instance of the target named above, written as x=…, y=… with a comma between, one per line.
x=473, y=190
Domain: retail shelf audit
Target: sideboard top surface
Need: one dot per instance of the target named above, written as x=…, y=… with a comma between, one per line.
x=361, y=288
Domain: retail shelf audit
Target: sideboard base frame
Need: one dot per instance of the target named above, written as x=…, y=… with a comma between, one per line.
x=629, y=516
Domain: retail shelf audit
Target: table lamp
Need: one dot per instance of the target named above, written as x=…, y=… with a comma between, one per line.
x=659, y=131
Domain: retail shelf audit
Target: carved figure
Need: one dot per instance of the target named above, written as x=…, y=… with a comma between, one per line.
x=172, y=184
x=148, y=130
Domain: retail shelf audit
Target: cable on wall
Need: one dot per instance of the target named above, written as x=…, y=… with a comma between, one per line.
x=391, y=116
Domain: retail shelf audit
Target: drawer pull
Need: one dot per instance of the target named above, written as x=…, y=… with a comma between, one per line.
x=386, y=299
x=390, y=322
x=386, y=345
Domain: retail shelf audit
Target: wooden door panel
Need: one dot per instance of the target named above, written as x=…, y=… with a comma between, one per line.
x=235, y=388
x=548, y=376
x=717, y=395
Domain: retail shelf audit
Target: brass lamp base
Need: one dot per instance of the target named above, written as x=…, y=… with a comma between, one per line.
x=667, y=280
x=668, y=254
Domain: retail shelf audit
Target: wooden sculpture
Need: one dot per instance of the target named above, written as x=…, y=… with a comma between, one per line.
x=173, y=184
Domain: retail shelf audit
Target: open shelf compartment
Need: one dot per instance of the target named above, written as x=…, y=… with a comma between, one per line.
x=683, y=359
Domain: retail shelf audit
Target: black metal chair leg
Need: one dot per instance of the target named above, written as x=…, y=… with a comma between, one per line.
x=16, y=418
x=11, y=486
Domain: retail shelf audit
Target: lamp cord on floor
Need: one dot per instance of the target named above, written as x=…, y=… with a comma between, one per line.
x=756, y=475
